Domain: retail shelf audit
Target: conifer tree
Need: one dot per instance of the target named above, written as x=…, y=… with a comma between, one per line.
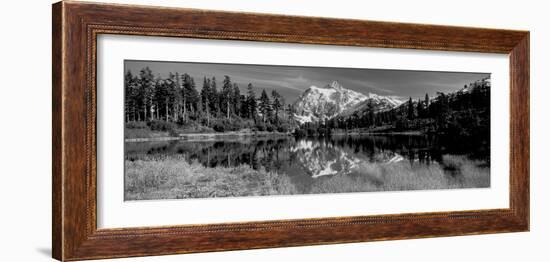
x=236, y=99
x=129, y=91
x=244, y=112
x=146, y=90
x=410, y=108
x=214, y=97
x=420, y=109
x=176, y=98
x=277, y=104
x=227, y=92
x=264, y=106
x=251, y=102
x=427, y=105
x=206, y=92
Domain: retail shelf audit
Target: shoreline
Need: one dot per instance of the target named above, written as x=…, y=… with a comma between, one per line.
x=241, y=135
x=415, y=133
x=208, y=136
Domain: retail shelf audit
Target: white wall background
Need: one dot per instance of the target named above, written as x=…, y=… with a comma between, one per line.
x=25, y=129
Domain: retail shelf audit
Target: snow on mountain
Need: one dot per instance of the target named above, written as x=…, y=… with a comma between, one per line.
x=317, y=104
x=468, y=88
x=324, y=103
x=374, y=101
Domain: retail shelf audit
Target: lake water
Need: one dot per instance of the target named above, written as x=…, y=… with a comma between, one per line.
x=341, y=163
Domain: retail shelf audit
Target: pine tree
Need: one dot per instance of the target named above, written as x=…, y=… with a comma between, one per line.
x=420, y=109
x=289, y=111
x=192, y=96
x=427, y=105
x=244, y=112
x=277, y=104
x=146, y=91
x=189, y=94
x=206, y=92
x=178, y=80
x=161, y=98
x=214, y=97
x=129, y=86
x=236, y=99
x=199, y=111
x=370, y=113
x=442, y=111
x=227, y=91
x=265, y=106
x=251, y=102
x=171, y=97
x=176, y=96
x=410, y=108
x=186, y=81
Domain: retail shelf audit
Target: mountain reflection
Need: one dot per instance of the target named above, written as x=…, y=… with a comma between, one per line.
x=311, y=157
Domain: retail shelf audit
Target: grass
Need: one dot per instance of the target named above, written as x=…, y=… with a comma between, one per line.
x=130, y=133
x=192, y=131
x=174, y=178
x=406, y=176
x=171, y=177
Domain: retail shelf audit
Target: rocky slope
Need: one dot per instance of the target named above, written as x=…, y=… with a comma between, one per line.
x=318, y=104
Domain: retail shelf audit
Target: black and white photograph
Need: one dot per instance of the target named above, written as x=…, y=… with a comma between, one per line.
x=207, y=130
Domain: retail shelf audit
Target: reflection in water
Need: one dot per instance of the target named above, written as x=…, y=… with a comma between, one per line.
x=379, y=160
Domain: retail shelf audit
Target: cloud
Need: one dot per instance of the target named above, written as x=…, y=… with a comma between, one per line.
x=298, y=83
x=276, y=84
x=369, y=85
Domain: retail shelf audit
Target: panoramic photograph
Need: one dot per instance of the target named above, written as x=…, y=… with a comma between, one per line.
x=210, y=130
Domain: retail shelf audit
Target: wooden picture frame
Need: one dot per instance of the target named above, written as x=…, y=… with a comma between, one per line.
x=76, y=26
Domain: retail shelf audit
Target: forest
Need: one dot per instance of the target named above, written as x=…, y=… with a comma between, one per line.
x=173, y=104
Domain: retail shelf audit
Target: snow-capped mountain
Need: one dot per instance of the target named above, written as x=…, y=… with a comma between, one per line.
x=374, y=101
x=324, y=103
x=317, y=104
x=481, y=82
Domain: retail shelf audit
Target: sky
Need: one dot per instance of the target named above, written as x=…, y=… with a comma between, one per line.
x=291, y=81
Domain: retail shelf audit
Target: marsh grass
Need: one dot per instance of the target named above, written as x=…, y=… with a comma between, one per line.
x=174, y=178
x=404, y=175
x=143, y=133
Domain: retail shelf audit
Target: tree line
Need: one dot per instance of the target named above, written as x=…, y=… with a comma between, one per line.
x=176, y=100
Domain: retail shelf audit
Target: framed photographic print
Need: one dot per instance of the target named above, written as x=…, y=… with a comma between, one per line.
x=180, y=130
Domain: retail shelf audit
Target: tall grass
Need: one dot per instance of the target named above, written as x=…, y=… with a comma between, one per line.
x=174, y=178
x=171, y=177
x=404, y=175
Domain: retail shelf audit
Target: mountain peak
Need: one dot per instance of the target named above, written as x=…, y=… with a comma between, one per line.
x=324, y=103
x=317, y=104
x=336, y=85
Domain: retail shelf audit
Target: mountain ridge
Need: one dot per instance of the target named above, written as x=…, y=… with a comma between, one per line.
x=322, y=103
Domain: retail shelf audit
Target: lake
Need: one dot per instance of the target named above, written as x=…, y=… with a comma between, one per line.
x=340, y=163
